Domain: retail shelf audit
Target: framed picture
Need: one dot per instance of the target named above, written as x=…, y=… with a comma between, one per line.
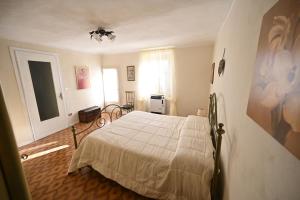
x=82, y=74
x=130, y=73
x=212, y=73
x=274, y=101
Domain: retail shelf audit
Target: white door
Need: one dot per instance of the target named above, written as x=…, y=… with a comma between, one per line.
x=42, y=91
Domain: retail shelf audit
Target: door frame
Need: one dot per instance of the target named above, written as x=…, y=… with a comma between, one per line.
x=12, y=51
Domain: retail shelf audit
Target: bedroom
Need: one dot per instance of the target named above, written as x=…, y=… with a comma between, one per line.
x=255, y=165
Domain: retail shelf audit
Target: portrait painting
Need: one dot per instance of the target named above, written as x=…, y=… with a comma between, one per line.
x=274, y=101
x=82, y=74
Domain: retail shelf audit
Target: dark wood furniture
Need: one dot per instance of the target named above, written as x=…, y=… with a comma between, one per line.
x=89, y=114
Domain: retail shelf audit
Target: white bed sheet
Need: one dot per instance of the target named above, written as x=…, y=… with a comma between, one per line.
x=158, y=156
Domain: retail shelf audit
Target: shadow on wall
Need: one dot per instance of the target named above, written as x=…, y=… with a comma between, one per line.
x=229, y=151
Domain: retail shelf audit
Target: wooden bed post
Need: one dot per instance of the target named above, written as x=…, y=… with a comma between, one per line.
x=215, y=179
x=74, y=136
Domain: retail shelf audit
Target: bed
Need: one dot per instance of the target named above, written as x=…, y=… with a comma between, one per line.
x=158, y=156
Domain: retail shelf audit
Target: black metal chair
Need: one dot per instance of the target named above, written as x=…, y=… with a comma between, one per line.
x=130, y=98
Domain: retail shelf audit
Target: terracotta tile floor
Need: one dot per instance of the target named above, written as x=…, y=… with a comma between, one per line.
x=47, y=174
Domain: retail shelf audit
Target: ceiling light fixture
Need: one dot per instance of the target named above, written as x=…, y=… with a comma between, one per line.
x=100, y=32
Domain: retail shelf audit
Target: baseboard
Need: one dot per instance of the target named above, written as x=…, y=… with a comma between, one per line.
x=24, y=143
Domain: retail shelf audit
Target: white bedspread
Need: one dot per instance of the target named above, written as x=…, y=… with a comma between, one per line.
x=158, y=156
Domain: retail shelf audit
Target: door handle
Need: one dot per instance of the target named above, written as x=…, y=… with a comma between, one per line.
x=61, y=96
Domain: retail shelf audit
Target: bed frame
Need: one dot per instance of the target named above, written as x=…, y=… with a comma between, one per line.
x=216, y=136
x=111, y=110
x=115, y=111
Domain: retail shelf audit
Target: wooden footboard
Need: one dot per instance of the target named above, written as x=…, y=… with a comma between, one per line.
x=111, y=110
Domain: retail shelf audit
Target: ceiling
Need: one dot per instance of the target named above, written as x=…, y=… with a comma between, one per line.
x=138, y=24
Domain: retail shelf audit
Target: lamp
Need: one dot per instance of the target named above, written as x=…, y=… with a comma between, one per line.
x=100, y=32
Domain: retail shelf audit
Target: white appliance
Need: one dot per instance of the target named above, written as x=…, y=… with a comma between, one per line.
x=158, y=104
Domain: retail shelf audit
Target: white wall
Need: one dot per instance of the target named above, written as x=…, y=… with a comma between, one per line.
x=75, y=99
x=193, y=74
x=256, y=165
x=193, y=68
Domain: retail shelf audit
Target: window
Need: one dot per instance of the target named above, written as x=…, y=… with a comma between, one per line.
x=111, y=85
x=156, y=76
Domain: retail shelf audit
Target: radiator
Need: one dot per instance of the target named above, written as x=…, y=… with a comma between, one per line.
x=158, y=104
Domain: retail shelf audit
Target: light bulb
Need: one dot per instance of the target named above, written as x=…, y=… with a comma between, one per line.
x=111, y=36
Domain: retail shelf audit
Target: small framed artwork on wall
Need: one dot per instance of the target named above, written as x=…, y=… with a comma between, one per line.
x=212, y=73
x=130, y=73
x=82, y=74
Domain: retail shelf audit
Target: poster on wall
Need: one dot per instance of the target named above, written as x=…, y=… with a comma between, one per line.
x=82, y=74
x=274, y=101
x=130, y=73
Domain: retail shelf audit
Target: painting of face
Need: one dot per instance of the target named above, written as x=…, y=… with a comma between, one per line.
x=82, y=77
x=274, y=101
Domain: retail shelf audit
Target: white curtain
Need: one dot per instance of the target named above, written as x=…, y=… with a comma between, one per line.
x=156, y=75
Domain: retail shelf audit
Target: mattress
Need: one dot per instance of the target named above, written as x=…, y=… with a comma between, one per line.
x=158, y=156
